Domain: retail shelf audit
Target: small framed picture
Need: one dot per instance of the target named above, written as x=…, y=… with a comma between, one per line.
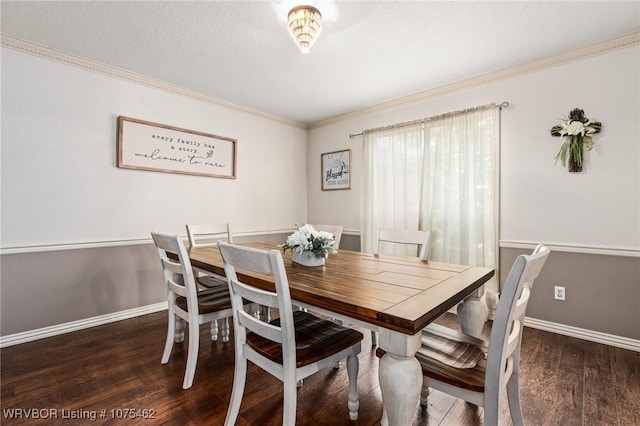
x=336, y=170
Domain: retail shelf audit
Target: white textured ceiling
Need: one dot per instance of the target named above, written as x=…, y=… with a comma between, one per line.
x=369, y=52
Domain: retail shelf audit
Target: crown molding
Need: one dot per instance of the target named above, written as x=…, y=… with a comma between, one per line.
x=122, y=74
x=35, y=49
x=622, y=42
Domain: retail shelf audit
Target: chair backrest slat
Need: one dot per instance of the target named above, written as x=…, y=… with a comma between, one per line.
x=256, y=295
x=405, y=236
x=173, y=266
x=209, y=234
x=264, y=329
x=518, y=317
x=533, y=270
x=512, y=340
x=177, y=288
x=521, y=305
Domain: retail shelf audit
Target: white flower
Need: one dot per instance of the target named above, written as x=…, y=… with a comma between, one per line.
x=306, y=240
x=306, y=229
x=324, y=235
x=573, y=127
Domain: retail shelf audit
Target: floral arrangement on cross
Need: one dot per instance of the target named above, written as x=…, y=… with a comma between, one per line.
x=579, y=131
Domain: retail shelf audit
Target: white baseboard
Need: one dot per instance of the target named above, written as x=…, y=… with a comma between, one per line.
x=42, y=333
x=68, y=327
x=584, y=334
x=580, y=333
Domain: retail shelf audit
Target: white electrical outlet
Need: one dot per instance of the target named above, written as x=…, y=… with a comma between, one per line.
x=558, y=293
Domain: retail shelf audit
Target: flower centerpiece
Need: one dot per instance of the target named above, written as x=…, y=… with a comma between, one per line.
x=309, y=247
x=579, y=131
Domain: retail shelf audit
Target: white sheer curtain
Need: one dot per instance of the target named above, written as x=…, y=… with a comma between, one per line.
x=392, y=183
x=439, y=176
x=459, y=202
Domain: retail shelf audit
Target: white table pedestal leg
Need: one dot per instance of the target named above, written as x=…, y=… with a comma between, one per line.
x=472, y=314
x=400, y=377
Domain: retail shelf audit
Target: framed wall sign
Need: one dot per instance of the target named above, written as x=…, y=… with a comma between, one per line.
x=336, y=170
x=143, y=145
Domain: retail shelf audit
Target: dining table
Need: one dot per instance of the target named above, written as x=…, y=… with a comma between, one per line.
x=393, y=296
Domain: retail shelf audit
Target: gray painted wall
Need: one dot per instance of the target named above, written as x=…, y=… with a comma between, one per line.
x=602, y=291
x=49, y=288
x=54, y=287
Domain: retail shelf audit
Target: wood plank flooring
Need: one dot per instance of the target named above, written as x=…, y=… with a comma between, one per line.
x=106, y=371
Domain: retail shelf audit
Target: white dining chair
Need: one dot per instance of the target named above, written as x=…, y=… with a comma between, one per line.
x=450, y=361
x=336, y=230
x=291, y=347
x=186, y=303
x=415, y=238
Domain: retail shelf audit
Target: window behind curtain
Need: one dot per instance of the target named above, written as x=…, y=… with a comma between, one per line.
x=392, y=183
x=440, y=176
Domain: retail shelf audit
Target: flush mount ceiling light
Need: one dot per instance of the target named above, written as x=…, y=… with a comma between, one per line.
x=305, y=25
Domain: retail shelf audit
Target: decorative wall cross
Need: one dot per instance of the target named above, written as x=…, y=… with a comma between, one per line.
x=579, y=131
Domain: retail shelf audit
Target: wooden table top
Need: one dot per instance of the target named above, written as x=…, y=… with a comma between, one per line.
x=399, y=293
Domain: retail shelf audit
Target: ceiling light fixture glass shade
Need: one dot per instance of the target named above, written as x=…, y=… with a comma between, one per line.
x=305, y=25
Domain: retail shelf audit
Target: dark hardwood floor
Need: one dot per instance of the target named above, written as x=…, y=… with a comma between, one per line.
x=114, y=372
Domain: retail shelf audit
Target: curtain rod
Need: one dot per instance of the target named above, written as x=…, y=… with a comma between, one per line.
x=435, y=117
